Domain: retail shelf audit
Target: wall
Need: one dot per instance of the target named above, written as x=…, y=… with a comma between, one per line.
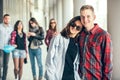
x=1, y=10
x=114, y=29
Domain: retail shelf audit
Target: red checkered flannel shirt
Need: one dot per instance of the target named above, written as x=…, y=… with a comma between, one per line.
x=95, y=54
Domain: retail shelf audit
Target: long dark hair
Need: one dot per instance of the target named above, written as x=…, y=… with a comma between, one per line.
x=38, y=29
x=16, y=25
x=50, y=27
x=66, y=31
x=33, y=20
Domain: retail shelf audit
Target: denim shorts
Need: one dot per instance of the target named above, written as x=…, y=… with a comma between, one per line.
x=18, y=53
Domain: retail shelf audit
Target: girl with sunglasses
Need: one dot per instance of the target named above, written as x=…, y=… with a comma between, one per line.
x=35, y=37
x=52, y=31
x=62, y=60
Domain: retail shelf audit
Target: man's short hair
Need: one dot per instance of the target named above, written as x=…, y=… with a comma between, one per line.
x=84, y=7
x=6, y=15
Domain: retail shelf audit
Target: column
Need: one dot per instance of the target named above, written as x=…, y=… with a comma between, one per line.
x=39, y=13
x=77, y=5
x=1, y=11
x=46, y=14
x=59, y=13
x=55, y=9
x=67, y=11
x=51, y=13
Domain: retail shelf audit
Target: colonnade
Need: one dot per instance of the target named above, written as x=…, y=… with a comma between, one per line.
x=107, y=13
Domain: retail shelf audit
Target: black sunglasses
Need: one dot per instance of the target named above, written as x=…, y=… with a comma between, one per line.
x=31, y=23
x=52, y=22
x=74, y=26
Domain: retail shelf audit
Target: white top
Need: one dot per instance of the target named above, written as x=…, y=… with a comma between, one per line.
x=5, y=32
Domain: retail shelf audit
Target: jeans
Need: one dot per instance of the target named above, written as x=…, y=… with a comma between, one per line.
x=36, y=53
x=1, y=63
x=4, y=59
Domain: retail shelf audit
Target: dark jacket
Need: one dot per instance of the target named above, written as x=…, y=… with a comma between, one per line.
x=39, y=36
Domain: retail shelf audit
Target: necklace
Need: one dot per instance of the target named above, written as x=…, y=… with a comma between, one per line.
x=20, y=34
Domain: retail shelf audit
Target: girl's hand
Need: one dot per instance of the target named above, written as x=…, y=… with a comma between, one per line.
x=56, y=33
x=28, y=34
x=14, y=45
x=31, y=34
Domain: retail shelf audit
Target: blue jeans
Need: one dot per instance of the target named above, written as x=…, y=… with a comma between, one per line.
x=4, y=59
x=36, y=53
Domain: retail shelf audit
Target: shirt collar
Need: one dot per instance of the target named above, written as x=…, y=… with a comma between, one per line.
x=93, y=30
x=6, y=25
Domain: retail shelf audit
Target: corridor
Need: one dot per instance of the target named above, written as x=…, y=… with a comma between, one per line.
x=107, y=16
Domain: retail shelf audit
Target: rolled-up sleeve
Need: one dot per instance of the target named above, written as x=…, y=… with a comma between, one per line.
x=13, y=37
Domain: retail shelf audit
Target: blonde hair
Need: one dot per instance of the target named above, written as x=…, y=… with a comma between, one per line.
x=84, y=7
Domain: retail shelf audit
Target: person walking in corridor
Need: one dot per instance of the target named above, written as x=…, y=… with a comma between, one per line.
x=51, y=32
x=5, y=32
x=95, y=48
x=62, y=60
x=35, y=37
x=18, y=40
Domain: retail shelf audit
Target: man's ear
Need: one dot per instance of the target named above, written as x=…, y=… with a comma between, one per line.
x=94, y=17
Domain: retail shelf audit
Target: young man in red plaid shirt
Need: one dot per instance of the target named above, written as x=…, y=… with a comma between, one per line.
x=95, y=48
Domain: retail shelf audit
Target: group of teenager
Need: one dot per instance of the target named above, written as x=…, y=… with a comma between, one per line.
x=81, y=51
x=16, y=37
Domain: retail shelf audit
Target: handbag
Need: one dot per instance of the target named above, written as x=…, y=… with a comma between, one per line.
x=8, y=48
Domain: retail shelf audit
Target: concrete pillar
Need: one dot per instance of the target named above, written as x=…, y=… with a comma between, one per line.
x=51, y=12
x=39, y=13
x=1, y=11
x=77, y=5
x=67, y=11
x=55, y=9
x=59, y=13
x=114, y=29
x=46, y=14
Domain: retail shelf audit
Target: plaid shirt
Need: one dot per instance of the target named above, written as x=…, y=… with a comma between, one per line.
x=95, y=54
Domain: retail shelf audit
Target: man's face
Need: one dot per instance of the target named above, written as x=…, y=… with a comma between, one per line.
x=6, y=20
x=87, y=18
